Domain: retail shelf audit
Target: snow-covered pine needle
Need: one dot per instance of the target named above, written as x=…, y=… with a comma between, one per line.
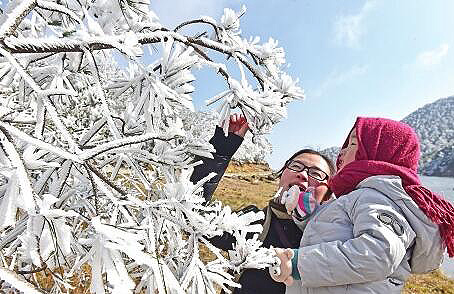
x=96, y=157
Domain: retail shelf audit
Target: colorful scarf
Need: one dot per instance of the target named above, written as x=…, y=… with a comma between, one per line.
x=387, y=147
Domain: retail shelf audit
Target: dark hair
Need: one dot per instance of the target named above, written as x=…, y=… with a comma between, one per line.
x=332, y=167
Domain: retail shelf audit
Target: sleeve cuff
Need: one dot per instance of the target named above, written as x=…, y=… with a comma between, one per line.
x=225, y=145
x=295, y=271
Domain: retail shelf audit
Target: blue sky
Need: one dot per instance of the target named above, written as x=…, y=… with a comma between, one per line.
x=353, y=58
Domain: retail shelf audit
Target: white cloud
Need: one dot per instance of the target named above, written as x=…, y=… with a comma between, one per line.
x=349, y=29
x=336, y=78
x=433, y=57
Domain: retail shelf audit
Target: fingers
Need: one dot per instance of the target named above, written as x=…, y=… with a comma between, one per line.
x=281, y=269
x=233, y=123
x=291, y=198
x=242, y=120
x=233, y=118
x=238, y=124
x=279, y=252
x=275, y=269
x=289, y=253
x=288, y=281
x=237, y=118
x=244, y=127
x=284, y=197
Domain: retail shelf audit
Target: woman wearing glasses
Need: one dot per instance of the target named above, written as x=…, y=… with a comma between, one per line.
x=383, y=225
x=306, y=168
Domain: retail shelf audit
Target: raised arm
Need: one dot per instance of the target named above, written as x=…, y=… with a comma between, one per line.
x=225, y=148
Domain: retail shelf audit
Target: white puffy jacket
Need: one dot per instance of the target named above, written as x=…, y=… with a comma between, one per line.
x=368, y=241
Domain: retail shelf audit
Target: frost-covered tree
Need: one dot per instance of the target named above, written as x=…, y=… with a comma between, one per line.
x=202, y=124
x=95, y=158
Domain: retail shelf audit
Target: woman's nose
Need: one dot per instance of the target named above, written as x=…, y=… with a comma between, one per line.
x=302, y=174
x=341, y=153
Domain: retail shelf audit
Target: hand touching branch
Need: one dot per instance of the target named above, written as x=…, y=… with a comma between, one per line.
x=238, y=125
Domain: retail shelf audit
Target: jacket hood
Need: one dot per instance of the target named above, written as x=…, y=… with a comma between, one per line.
x=428, y=250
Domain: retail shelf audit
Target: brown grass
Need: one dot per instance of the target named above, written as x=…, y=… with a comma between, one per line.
x=243, y=192
x=81, y=280
x=435, y=282
x=251, y=168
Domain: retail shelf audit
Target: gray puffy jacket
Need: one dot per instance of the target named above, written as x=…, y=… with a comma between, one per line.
x=368, y=241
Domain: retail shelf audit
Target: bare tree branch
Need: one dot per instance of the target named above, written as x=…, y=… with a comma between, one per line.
x=105, y=179
x=216, y=30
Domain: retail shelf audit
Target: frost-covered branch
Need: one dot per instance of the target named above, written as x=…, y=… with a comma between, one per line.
x=48, y=5
x=204, y=20
x=96, y=157
x=14, y=16
x=17, y=282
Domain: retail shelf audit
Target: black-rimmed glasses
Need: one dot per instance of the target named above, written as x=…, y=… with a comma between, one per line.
x=312, y=171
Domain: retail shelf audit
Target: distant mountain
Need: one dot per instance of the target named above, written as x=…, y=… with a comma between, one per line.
x=331, y=152
x=434, y=124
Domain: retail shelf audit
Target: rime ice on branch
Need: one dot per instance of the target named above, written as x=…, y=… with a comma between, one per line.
x=95, y=159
